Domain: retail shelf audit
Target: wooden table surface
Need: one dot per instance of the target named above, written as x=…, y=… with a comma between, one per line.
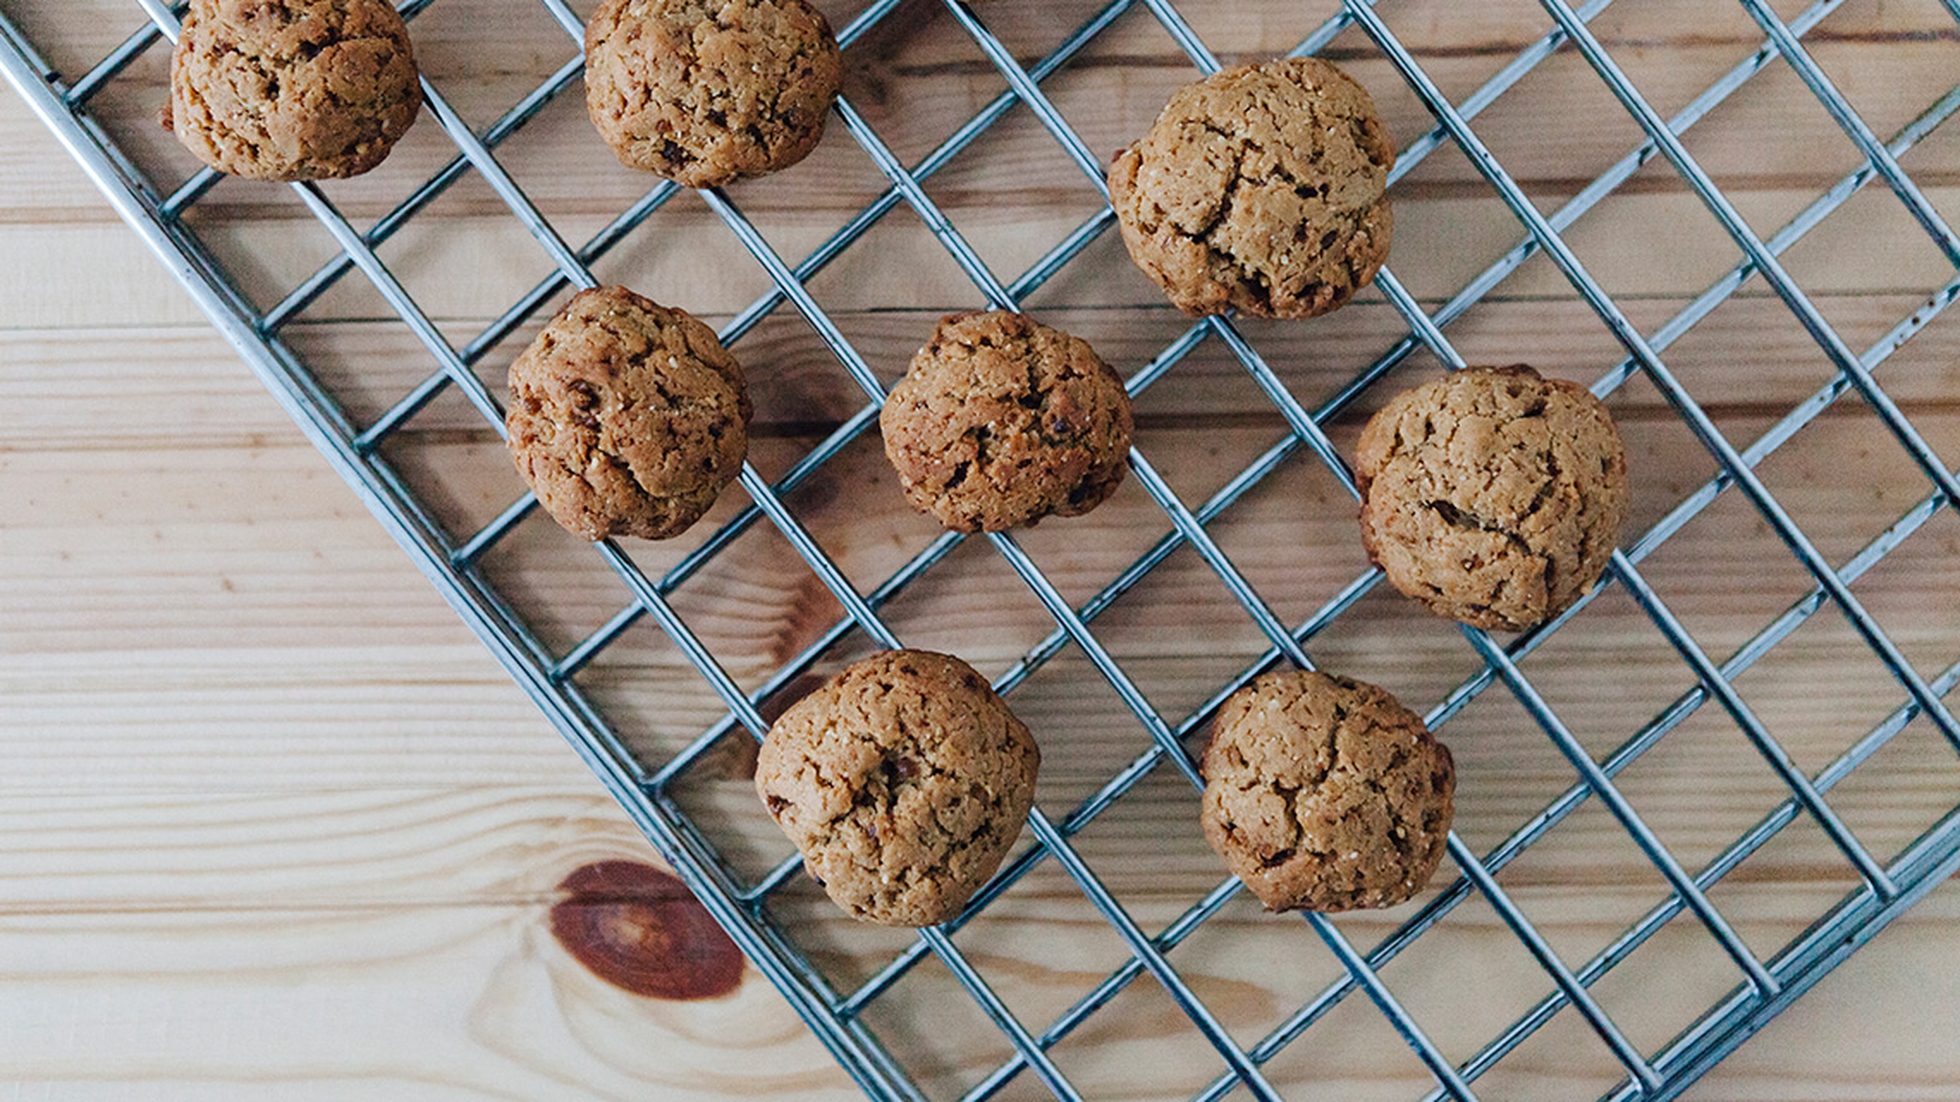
x=273, y=824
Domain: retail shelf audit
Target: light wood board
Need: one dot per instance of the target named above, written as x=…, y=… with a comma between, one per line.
x=272, y=824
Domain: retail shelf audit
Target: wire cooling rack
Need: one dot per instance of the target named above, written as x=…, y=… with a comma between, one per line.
x=1763, y=983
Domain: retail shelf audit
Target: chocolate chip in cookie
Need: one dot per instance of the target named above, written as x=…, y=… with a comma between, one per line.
x=903, y=781
x=627, y=417
x=1326, y=794
x=1494, y=496
x=292, y=89
x=1001, y=421
x=1260, y=189
x=706, y=93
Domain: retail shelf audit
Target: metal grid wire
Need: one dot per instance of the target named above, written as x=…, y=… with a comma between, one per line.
x=1764, y=985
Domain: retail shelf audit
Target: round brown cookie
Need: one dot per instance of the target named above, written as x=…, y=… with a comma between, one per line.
x=706, y=92
x=1001, y=421
x=1494, y=496
x=1326, y=794
x=1259, y=188
x=902, y=781
x=627, y=417
x=292, y=89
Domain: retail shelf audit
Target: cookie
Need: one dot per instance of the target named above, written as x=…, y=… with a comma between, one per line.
x=1001, y=421
x=1259, y=189
x=903, y=781
x=707, y=92
x=627, y=417
x=292, y=89
x=1325, y=794
x=1494, y=496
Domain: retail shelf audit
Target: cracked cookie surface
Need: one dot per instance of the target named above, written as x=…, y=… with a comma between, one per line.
x=627, y=417
x=1260, y=188
x=903, y=781
x=706, y=92
x=1326, y=794
x=292, y=89
x=1493, y=495
x=1001, y=421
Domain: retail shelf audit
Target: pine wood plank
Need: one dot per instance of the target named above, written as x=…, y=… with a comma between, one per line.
x=918, y=80
x=454, y=269
x=256, y=944
x=181, y=386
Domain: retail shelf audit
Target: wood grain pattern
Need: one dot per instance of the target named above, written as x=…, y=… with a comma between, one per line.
x=275, y=824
